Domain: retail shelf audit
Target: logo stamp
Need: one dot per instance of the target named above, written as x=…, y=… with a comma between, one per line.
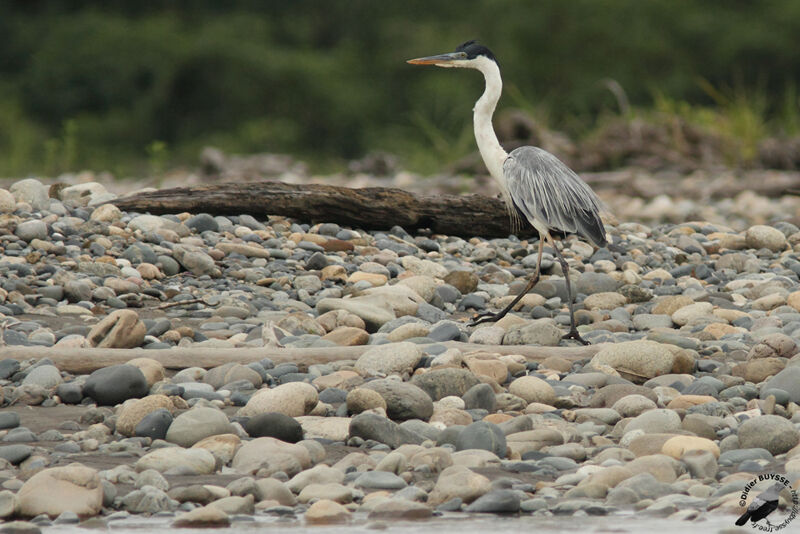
x=760, y=512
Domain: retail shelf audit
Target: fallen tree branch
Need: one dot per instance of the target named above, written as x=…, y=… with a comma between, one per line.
x=370, y=208
x=86, y=360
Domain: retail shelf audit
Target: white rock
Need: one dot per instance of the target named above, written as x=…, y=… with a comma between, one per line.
x=293, y=399
x=391, y=358
x=178, y=460
x=72, y=488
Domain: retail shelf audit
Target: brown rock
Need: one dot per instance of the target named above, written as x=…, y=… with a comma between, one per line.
x=338, y=379
x=300, y=323
x=670, y=304
x=648, y=444
x=222, y=446
x=760, y=369
x=487, y=365
x=661, y=466
x=152, y=370
x=562, y=365
x=337, y=245
x=451, y=416
x=133, y=411
x=684, y=402
x=677, y=446
x=334, y=272
x=464, y=281
x=206, y=516
x=121, y=329
x=400, y=509
x=347, y=336
x=458, y=481
x=498, y=418
x=375, y=279
x=717, y=330
x=326, y=511
x=793, y=300
x=773, y=346
x=292, y=399
x=361, y=399
x=683, y=361
x=334, y=319
x=608, y=477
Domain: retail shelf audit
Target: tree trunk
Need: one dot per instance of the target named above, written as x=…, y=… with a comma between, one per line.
x=370, y=208
x=76, y=360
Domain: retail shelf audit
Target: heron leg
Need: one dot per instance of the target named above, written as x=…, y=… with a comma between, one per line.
x=573, y=331
x=489, y=317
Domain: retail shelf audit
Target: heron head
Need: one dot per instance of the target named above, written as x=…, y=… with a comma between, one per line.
x=466, y=55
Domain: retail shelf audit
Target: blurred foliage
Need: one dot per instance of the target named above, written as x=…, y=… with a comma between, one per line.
x=135, y=86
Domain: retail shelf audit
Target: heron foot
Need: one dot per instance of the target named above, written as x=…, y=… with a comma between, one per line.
x=573, y=334
x=486, y=317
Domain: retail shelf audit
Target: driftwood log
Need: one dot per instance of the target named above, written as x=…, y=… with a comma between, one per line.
x=380, y=208
x=79, y=361
x=370, y=208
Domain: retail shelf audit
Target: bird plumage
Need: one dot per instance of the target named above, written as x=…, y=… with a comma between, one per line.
x=763, y=505
x=546, y=191
x=535, y=184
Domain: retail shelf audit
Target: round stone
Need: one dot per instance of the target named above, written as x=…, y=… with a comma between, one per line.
x=532, y=389
x=274, y=425
x=115, y=384
x=482, y=435
x=198, y=423
x=770, y=432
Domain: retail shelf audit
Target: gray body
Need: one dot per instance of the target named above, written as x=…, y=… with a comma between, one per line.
x=546, y=191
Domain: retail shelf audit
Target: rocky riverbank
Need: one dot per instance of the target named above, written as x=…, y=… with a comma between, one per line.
x=691, y=388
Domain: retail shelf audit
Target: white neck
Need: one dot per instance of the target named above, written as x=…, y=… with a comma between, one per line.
x=492, y=153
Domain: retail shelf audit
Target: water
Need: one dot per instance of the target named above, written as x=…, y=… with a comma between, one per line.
x=456, y=524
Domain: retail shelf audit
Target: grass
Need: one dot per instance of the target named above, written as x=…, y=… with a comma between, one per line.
x=738, y=119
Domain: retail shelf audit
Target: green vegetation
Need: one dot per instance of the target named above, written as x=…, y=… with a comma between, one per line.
x=137, y=87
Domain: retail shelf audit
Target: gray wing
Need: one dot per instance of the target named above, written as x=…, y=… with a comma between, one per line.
x=771, y=494
x=545, y=189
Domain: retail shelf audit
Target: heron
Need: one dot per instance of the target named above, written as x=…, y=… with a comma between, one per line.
x=763, y=505
x=536, y=186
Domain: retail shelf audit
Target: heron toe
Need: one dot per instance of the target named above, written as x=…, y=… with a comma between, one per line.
x=486, y=317
x=573, y=334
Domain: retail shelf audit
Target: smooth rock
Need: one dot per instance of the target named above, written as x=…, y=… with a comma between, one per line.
x=445, y=382
x=482, y=435
x=195, y=424
x=501, y=501
x=326, y=512
x=770, y=432
x=458, y=481
x=203, y=517
x=636, y=361
x=53, y=491
x=120, y=329
x=274, y=425
x=532, y=389
x=383, y=430
x=133, y=411
x=403, y=400
x=271, y=455
x=178, y=460
x=115, y=384
x=392, y=358
x=292, y=399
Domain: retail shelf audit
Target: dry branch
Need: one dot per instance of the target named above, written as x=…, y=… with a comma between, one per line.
x=80, y=361
x=371, y=208
x=380, y=208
